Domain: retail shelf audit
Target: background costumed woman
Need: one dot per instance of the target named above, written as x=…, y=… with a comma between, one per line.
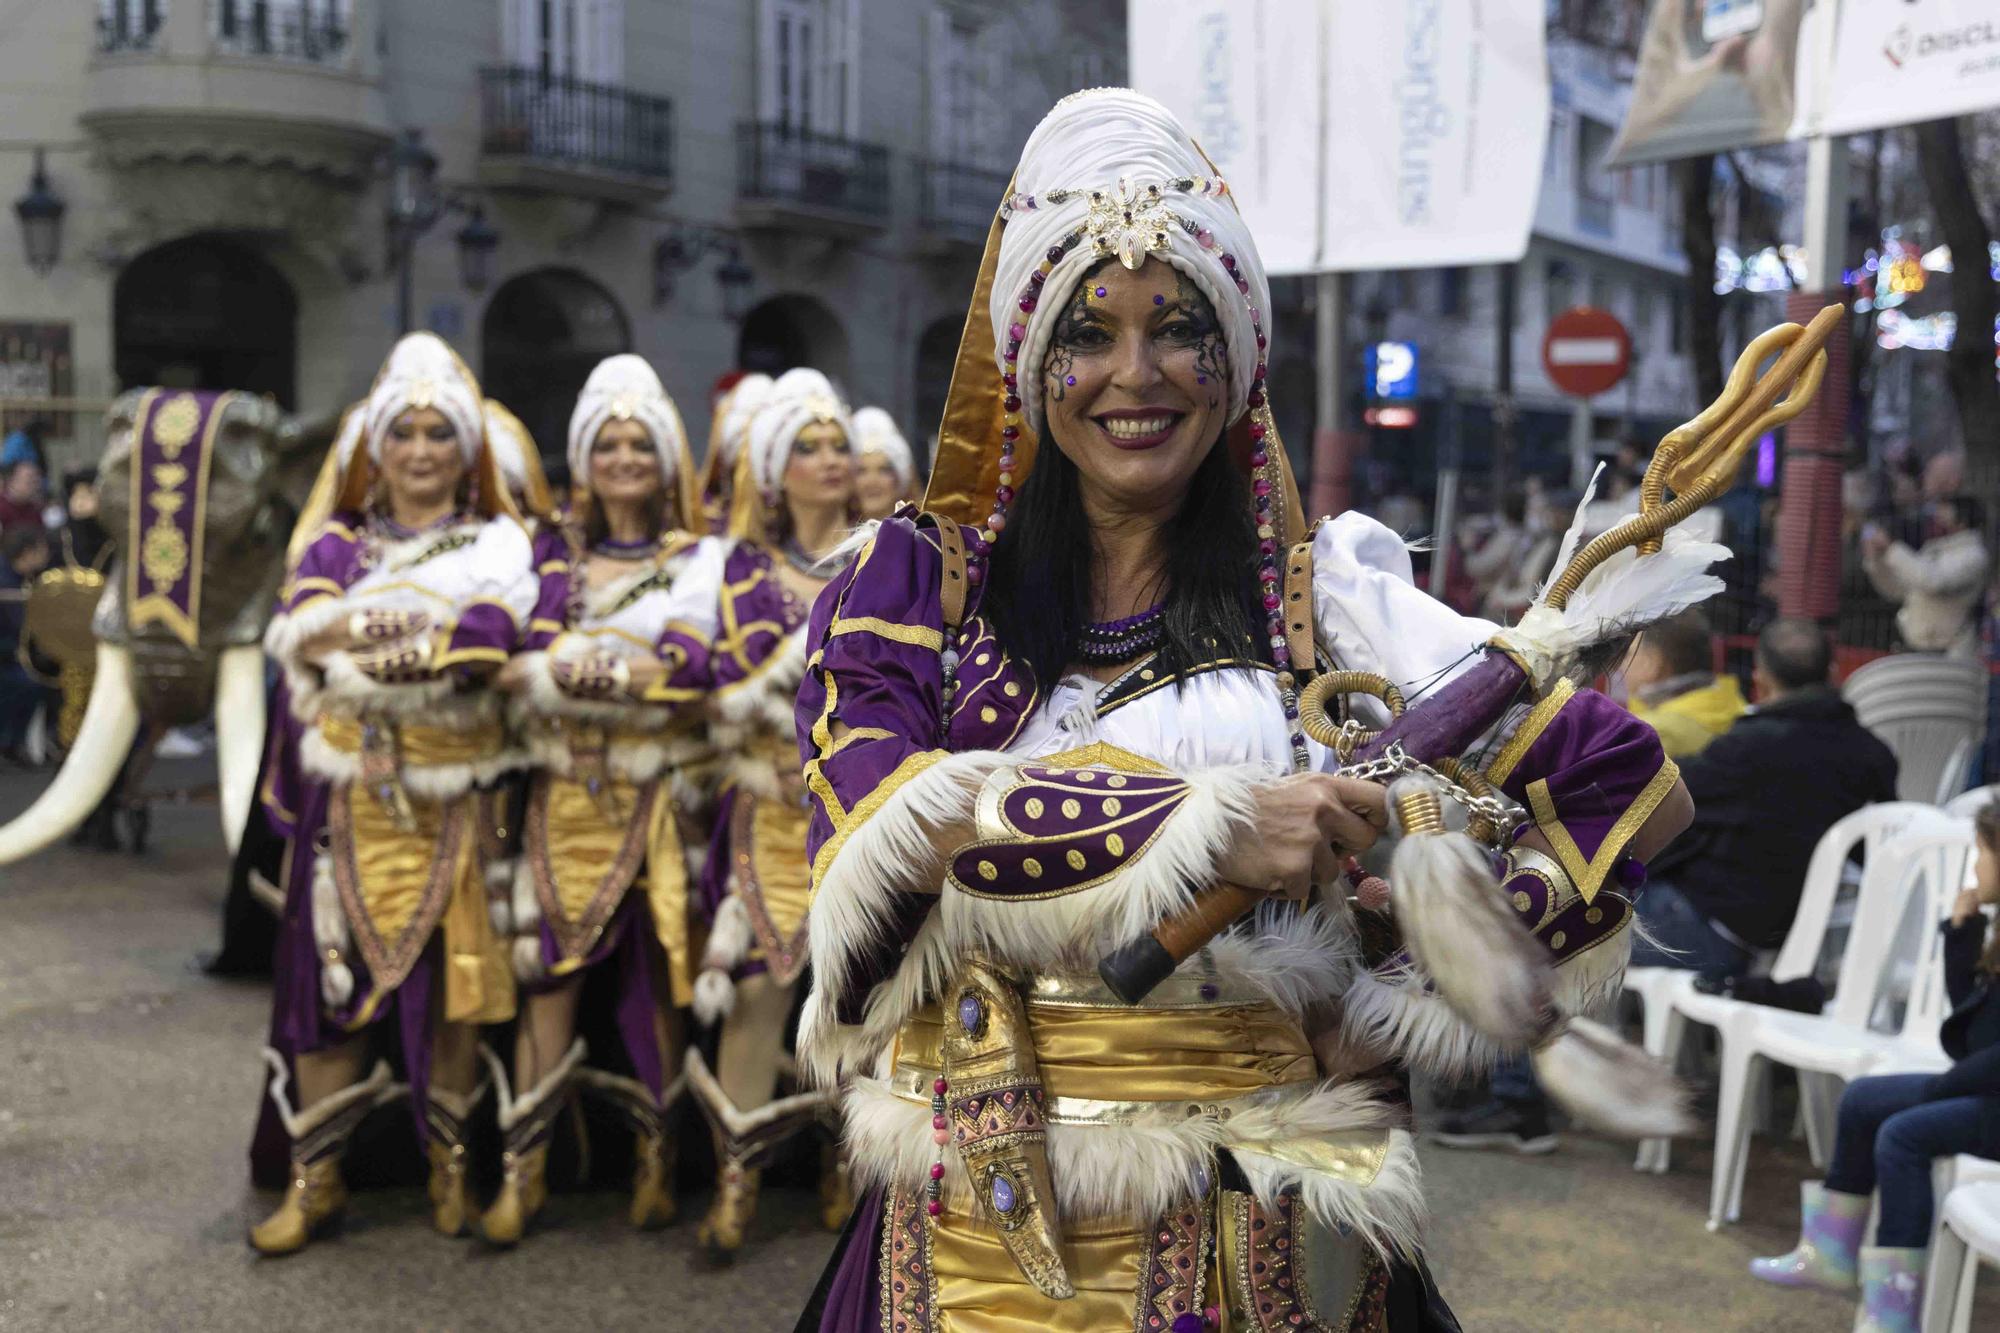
x=885, y=472
x=1030, y=739
x=404, y=601
x=794, y=496
x=728, y=427
x=602, y=697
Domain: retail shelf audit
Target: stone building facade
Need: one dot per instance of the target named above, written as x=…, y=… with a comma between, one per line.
x=224, y=170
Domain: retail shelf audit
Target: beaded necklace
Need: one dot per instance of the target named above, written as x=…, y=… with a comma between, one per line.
x=1113, y=641
x=379, y=530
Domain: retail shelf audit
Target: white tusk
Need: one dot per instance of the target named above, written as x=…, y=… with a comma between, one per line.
x=239, y=734
x=102, y=743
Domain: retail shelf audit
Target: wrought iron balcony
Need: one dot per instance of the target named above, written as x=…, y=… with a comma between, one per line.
x=129, y=25
x=958, y=202
x=314, y=31
x=537, y=129
x=785, y=172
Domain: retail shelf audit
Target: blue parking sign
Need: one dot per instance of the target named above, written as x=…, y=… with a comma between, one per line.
x=1392, y=370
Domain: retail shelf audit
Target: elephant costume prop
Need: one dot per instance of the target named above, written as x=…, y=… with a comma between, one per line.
x=200, y=490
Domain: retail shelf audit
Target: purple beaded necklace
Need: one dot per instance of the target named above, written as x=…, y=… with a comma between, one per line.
x=1113, y=641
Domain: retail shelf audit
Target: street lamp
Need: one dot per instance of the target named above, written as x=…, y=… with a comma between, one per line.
x=477, y=240
x=41, y=212
x=415, y=205
x=684, y=247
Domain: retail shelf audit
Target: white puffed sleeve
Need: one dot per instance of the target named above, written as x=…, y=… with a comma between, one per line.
x=1371, y=616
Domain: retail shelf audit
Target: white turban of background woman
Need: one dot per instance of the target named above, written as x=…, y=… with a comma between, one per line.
x=625, y=388
x=798, y=399
x=746, y=399
x=1121, y=146
x=875, y=433
x=423, y=371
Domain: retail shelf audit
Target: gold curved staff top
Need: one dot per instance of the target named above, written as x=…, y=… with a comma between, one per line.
x=1699, y=461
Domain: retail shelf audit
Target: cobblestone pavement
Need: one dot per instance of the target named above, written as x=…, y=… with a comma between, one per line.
x=127, y=1081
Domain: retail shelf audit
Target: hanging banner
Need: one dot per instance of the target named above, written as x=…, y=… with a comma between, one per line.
x=1356, y=134
x=1243, y=76
x=1437, y=115
x=1898, y=62
x=1718, y=75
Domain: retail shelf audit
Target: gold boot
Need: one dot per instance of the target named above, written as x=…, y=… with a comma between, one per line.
x=445, y=1117
x=721, y=1232
x=653, y=1204
x=316, y=1194
x=836, y=1190
x=526, y=1124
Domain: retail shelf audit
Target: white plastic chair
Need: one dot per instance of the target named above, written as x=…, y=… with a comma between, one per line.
x=1931, y=711
x=1668, y=994
x=1969, y=1227
x=1969, y=803
x=1898, y=950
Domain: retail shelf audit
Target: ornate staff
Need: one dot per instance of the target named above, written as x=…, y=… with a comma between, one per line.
x=1631, y=576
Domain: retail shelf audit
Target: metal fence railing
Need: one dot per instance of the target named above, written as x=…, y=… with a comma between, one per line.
x=318, y=32
x=129, y=25
x=959, y=201
x=526, y=113
x=778, y=163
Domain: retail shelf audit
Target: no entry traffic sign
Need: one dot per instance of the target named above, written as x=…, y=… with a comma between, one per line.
x=1586, y=351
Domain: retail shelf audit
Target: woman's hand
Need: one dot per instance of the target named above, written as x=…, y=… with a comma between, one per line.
x=642, y=673
x=1965, y=907
x=364, y=629
x=1305, y=828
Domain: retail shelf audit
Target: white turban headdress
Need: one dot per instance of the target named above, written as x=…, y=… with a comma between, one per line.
x=875, y=433
x=798, y=399
x=423, y=371
x=518, y=459
x=625, y=388
x=1115, y=170
x=746, y=399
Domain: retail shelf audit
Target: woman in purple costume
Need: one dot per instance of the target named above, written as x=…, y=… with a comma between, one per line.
x=1039, y=718
x=412, y=589
x=606, y=702
x=793, y=500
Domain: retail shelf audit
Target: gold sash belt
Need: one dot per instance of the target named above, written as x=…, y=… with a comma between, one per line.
x=416, y=744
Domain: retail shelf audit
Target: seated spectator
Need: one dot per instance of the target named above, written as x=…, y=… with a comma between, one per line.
x=1893, y=1126
x=24, y=554
x=1764, y=792
x=1939, y=586
x=22, y=495
x=1674, y=687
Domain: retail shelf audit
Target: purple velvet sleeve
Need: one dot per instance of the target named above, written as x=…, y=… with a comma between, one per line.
x=484, y=632
x=330, y=562
x=1590, y=775
x=552, y=573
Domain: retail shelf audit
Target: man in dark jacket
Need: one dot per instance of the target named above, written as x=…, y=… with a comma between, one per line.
x=1764, y=791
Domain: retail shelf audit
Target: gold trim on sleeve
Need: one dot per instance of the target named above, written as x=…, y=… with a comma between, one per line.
x=917, y=636
x=1531, y=729
x=1589, y=875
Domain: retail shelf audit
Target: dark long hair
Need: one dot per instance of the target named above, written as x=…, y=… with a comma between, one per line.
x=1986, y=828
x=1038, y=584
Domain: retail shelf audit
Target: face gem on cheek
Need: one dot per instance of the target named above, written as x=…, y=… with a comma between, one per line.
x=1070, y=380
x=1201, y=379
x=1159, y=300
x=1100, y=293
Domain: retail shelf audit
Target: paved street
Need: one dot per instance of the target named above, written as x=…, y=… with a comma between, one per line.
x=127, y=1081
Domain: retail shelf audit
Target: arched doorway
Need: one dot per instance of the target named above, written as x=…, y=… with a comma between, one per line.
x=543, y=334
x=937, y=352
x=793, y=330
x=206, y=312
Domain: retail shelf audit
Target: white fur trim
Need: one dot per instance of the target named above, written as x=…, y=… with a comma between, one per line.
x=374, y=1089
x=430, y=782
x=527, y=932
x=737, y=1123
x=1395, y=1015
x=499, y=895
x=729, y=938
x=714, y=996
x=1612, y=1085
x=768, y=698
x=1157, y=883
x=330, y=933
x=893, y=850
x=514, y=1109
x=1135, y=1171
